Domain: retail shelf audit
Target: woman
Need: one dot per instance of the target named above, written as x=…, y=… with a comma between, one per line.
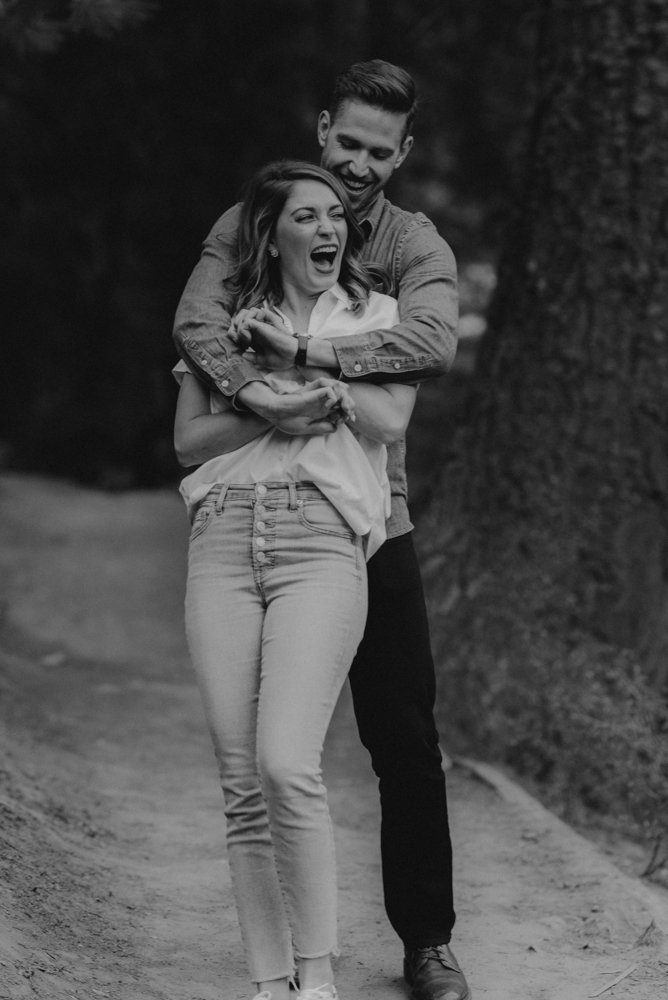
x=276, y=595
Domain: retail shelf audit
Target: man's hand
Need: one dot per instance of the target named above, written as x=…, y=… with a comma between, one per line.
x=343, y=410
x=316, y=409
x=275, y=347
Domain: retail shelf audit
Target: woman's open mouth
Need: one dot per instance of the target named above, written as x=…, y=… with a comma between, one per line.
x=324, y=257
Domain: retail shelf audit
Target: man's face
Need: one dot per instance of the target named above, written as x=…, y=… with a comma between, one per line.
x=363, y=146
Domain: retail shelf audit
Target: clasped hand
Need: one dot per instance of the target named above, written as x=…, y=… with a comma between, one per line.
x=265, y=332
x=319, y=406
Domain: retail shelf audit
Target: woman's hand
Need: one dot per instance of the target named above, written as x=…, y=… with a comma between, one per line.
x=316, y=408
x=343, y=408
x=274, y=345
x=323, y=405
x=239, y=332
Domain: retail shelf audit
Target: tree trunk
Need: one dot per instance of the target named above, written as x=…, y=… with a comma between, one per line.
x=553, y=529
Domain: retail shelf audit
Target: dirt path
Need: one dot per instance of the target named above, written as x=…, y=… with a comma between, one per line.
x=114, y=881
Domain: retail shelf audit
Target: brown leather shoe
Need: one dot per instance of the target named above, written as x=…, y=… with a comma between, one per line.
x=434, y=974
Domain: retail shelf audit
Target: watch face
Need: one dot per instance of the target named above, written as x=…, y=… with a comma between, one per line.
x=302, y=341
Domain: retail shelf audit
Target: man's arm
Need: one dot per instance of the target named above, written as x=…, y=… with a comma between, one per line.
x=200, y=435
x=201, y=326
x=423, y=344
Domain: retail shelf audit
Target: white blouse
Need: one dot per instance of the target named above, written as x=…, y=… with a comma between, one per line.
x=349, y=468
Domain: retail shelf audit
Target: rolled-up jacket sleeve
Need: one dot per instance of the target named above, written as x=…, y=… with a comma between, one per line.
x=423, y=344
x=203, y=316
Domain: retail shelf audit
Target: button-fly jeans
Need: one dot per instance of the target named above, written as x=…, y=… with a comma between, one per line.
x=276, y=604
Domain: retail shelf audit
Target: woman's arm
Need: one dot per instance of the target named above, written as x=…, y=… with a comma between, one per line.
x=200, y=435
x=382, y=412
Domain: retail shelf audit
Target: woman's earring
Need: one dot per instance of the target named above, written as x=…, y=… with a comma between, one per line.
x=273, y=251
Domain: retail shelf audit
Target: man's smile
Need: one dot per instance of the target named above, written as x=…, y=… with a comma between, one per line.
x=353, y=184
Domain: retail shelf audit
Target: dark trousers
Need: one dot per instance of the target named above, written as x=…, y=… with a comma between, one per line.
x=394, y=686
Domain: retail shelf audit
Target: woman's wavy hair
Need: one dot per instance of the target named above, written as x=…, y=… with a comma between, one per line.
x=257, y=274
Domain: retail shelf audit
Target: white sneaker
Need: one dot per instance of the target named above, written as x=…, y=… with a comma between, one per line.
x=321, y=993
x=264, y=995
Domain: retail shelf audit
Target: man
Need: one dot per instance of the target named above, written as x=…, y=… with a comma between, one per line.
x=364, y=137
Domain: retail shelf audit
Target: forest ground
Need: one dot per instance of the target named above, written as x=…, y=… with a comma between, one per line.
x=114, y=876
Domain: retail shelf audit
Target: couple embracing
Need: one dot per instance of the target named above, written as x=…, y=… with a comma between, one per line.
x=316, y=309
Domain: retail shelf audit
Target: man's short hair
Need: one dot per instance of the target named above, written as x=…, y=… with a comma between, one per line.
x=379, y=84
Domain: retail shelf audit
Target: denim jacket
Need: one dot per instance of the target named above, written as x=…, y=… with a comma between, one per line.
x=422, y=346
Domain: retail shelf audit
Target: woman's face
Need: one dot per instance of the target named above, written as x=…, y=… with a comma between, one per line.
x=310, y=237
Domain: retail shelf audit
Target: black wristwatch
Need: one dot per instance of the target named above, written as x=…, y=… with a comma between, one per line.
x=302, y=343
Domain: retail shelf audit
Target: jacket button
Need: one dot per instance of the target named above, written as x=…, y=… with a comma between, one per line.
x=261, y=557
x=225, y=383
x=204, y=363
x=396, y=365
x=358, y=368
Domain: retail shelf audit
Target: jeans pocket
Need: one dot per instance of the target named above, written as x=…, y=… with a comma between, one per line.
x=200, y=520
x=323, y=518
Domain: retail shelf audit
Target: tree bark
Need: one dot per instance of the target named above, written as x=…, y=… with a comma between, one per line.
x=554, y=526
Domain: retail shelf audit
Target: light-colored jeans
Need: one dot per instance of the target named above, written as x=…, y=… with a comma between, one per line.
x=275, y=608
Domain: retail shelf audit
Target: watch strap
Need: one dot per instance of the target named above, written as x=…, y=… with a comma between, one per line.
x=302, y=344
